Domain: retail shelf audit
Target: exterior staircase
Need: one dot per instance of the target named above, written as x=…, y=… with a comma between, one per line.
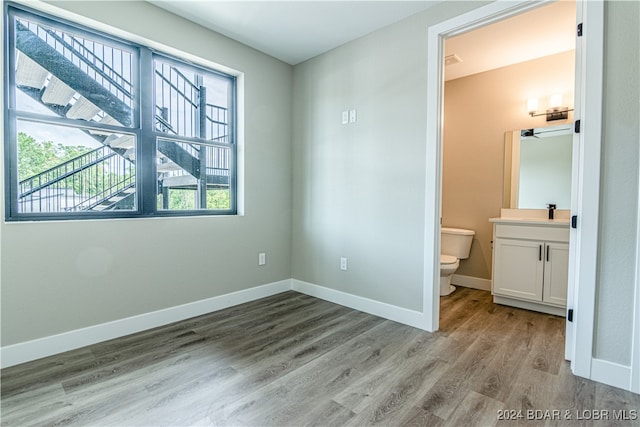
x=81, y=184
x=63, y=73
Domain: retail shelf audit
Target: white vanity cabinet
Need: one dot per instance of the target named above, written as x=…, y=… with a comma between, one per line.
x=530, y=264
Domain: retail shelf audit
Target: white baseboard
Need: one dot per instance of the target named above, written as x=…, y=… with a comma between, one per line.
x=42, y=347
x=377, y=308
x=611, y=373
x=471, y=282
x=54, y=344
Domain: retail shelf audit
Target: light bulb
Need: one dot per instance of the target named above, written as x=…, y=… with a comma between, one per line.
x=555, y=101
x=532, y=105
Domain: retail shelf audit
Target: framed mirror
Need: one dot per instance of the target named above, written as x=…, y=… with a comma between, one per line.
x=537, y=168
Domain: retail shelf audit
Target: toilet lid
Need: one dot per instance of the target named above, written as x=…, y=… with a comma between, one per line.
x=448, y=259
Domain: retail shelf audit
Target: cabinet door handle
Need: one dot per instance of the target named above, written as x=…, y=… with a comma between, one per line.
x=547, y=253
x=540, y=253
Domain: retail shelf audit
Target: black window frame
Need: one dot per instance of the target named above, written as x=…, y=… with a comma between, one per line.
x=143, y=126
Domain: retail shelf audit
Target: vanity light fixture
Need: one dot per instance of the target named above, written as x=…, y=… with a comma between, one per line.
x=555, y=111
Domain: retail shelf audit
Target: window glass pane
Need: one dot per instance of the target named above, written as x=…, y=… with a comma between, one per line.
x=63, y=74
x=74, y=125
x=190, y=103
x=62, y=169
x=192, y=176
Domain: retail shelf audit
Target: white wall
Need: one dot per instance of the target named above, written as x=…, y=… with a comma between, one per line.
x=358, y=189
x=61, y=276
x=619, y=192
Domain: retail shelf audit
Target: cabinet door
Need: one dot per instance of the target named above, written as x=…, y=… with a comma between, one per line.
x=556, y=273
x=518, y=268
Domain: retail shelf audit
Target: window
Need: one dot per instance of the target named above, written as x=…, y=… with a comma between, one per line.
x=97, y=127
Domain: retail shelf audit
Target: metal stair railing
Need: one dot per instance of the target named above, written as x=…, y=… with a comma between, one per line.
x=117, y=84
x=178, y=90
x=186, y=94
x=74, y=48
x=99, y=184
x=53, y=61
x=183, y=120
x=185, y=90
x=217, y=161
x=77, y=183
x=117, y=189
x=217, y=123
x=63, y=170
x=213, y=120
x=56, y=63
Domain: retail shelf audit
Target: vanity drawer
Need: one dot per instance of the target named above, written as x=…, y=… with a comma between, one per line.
x=533, y=232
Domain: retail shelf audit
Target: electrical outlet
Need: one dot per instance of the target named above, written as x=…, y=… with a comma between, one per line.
x=345, y=117
x=353, y=117
x=343, y=264
x=262, y=258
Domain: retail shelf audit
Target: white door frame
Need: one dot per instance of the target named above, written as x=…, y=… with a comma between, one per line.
x=635, y=348
x=586, y=181
x=635, y=335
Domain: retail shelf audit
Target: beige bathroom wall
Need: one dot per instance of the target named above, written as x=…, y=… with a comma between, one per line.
x=478, y=110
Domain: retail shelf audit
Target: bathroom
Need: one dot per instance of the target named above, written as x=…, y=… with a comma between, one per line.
x=482, y=108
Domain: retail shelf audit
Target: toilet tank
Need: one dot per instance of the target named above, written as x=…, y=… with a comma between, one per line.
x=456, y=242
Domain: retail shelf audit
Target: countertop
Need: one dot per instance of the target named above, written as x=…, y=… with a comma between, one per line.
x=532, y=221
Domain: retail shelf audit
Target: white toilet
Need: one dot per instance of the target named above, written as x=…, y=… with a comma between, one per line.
x=455, y=244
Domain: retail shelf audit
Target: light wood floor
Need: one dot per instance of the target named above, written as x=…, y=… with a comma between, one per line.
x=292, y=359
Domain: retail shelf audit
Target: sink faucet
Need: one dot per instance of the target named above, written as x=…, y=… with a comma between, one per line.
x=551, y=207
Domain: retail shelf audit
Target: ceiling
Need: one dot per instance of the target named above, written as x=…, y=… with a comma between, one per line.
x=294, y=31
x=541, y=32
x=297, y=30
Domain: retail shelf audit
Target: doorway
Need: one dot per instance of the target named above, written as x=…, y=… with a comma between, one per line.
x=501, y=66
x=588, y=108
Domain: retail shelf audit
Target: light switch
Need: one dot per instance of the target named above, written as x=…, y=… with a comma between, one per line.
x=345, y=117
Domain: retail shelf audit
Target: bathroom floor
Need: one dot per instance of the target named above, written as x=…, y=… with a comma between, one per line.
x=291, y=359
